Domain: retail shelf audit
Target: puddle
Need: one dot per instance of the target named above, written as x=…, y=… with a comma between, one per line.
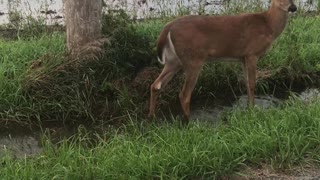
x=211, y=113
x=260, y=101
x=25, y=145
x=310, y=95
x=19, y=146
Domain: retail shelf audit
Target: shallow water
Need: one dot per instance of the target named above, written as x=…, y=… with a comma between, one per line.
x=211, y=113
x=20, y=146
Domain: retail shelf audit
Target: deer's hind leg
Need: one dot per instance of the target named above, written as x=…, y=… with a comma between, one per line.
x=169, y=70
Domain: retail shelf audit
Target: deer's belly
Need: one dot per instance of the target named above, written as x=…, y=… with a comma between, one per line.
x=224, y=59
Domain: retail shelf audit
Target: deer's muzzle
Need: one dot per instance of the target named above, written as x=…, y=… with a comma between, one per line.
x=292, y=8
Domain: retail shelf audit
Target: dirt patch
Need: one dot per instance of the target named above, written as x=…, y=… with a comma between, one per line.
x=9, y=34
x=268, y=173
x=145, y=78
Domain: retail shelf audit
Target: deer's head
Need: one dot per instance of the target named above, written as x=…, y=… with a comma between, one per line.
x=286, y=5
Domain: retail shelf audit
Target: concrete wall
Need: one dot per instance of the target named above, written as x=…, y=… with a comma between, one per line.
x=137, y=8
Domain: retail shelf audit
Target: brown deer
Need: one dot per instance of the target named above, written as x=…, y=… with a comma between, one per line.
x=187, y=42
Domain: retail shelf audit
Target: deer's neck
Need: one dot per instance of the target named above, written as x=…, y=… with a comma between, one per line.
x=278, y=19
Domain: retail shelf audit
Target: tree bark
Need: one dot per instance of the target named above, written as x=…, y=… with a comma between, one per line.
x=83, y=23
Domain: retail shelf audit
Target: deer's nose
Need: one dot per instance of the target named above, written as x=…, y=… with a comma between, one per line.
x=292, y=8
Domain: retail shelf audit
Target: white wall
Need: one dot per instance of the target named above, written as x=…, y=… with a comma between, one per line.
x=134, y=7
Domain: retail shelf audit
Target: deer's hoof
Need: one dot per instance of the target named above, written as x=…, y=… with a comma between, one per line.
x=150, y=117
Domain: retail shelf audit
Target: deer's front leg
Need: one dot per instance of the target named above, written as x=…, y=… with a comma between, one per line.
x=191, y=76
x=250, y=68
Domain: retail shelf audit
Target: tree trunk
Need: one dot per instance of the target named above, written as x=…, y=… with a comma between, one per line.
x=83, y=23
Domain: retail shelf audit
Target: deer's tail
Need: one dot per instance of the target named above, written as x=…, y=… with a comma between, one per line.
x=164, y=41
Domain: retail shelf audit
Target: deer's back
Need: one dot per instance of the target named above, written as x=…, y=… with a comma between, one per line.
x=220, y=36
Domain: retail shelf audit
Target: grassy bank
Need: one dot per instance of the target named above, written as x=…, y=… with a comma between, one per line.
x=16, y=62
x=282, y=137
x=33, y=91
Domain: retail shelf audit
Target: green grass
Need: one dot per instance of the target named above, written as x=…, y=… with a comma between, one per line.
x=283, y=137
x=297, y=48
x=16, y=58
